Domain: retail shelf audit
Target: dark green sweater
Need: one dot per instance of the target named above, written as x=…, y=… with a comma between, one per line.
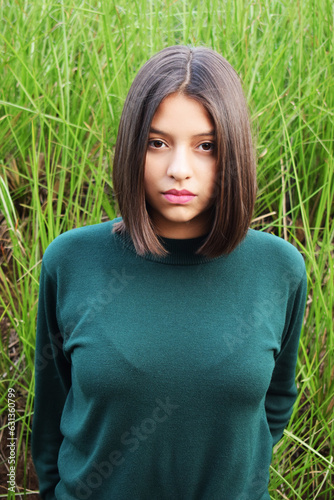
x=163, y=378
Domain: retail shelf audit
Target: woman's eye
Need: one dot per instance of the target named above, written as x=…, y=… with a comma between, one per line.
x=156, y=144
x=207, y=146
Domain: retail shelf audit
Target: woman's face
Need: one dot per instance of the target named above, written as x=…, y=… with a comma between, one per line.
x=180, y=168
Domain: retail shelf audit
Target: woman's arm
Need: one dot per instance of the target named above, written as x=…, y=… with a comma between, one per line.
x=282, y=391
x=52, y=383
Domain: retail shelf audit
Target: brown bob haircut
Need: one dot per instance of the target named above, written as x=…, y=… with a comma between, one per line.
x=201, y=74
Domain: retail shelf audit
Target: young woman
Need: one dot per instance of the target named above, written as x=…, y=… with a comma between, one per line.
x=167, y=338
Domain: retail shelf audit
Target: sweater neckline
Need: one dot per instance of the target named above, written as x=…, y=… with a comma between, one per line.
x=180, y=251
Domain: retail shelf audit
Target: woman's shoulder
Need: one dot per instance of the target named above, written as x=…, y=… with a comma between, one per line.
x=79, y=242
x=274, y=251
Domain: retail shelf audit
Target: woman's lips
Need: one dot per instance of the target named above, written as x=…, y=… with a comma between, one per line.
x=178, y=197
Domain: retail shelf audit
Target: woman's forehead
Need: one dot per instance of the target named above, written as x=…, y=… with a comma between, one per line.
x=178, y=111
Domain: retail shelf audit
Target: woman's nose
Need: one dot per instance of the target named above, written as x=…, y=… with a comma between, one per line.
x=180, y=164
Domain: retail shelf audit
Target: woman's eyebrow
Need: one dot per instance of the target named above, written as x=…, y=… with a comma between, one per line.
x=161, y=132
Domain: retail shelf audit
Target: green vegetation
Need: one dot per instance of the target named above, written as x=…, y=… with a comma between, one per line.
x=66, y=68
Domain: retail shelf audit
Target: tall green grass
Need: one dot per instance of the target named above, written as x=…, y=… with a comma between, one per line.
x=66, y=68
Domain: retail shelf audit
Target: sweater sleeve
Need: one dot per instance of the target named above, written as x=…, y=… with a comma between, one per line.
x=282, y=391
x=52, y=383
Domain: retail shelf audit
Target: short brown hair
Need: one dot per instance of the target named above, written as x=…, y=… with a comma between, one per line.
x=201, y=74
